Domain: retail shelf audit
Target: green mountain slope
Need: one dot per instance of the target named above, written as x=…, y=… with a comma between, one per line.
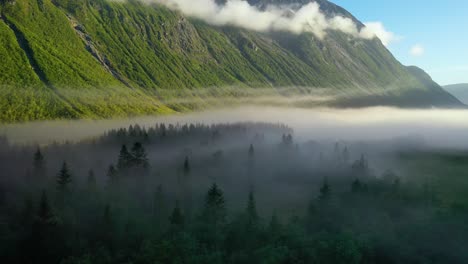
x=460, y=91
x=94, y=58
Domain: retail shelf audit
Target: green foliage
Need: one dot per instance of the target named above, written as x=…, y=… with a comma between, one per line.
x=252, y=215
x=64, y=178
x=39, y=166
x=177, y=219
x=125, y=159
x=384, y=218
x=215, y=211
x=100, y=59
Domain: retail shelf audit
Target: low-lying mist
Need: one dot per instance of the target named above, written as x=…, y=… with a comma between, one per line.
x=436, y=127
x=377, y=177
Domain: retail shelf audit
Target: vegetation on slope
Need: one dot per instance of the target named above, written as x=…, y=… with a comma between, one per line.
x=100, y=59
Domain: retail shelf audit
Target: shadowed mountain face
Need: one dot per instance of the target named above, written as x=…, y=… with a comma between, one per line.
x=95, y=58
x=460, y=91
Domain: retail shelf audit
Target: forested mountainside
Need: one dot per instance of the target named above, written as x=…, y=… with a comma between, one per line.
x=97, y=59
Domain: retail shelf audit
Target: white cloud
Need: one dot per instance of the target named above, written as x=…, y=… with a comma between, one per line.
x=417, y=50
x=308, y=18
x=377, y=29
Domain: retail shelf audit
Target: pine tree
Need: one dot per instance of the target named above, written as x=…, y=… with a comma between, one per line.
x=251, y=151
x=91, y=180
x=27, y=213
x=361, y=166
x=107, y=227
x=112, y=174
x=39, y=164
x=139, y=158
x=125, y=159
x=45, y=216
x=64, y=177
x=177, y=218
x=187, y=166
x=336, y=151
x=252, y=215
x=214, y=211
x=325, y=191
x=346, y=156
x=45, y=235
x=158, y=207
x=274, y=227
x=356, y=186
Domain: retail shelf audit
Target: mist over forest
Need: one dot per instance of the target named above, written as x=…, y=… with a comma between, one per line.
x=233, y=132
x=250, y=185
x=437, y=127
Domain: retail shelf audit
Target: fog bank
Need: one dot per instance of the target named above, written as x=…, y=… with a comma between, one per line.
x=440, y=128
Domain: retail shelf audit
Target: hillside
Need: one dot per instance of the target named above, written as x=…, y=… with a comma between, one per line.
x=95, y=59
x=460, y=91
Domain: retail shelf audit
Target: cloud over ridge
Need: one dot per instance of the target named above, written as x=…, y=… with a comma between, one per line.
x=307, y=18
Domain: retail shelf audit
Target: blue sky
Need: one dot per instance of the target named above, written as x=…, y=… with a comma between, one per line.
x=435, y=30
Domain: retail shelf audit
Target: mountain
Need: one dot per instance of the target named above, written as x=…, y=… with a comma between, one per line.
x=98, y=59
x=460, y=91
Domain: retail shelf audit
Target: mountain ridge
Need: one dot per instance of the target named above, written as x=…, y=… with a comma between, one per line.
x=100, y=59
x=459, y=90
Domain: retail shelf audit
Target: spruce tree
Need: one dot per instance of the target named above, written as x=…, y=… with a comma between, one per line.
x=39, y=164
x=346, y=155
x=356, y=186
x=112, y=174
x=64, y=177
x=186, y=166
x=139, y=158
x=361, y=166
x=177, y=218
x=251, y=151
x=252, y=215
x=274, y=227
x=125, y=159
x=107, y=227
x=159, y=209
x=325, y=191
x=45, y=216
x=91, y=180
x=214, y=211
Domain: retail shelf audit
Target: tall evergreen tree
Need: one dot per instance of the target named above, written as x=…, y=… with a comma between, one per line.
x=274, y=227
x=139, y=157
x=177, y=218
x=356, y=186
x=125, y=159
x=44, y=213
x=45, y=243
x=112, y=174
x=91, y=180
x=159, y=210
x=214, y=211
x=346, y=155
x=106, y=231
x=39, y=164
x=64, y=177
x=361, y=166
x=187, y=168
x=27, y=213
x=325, y=191
x=251, y=151
x=252, y=215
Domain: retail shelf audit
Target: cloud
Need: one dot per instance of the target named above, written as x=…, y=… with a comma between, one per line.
x=377, y=29
x=308, y=18
x=417, y=50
